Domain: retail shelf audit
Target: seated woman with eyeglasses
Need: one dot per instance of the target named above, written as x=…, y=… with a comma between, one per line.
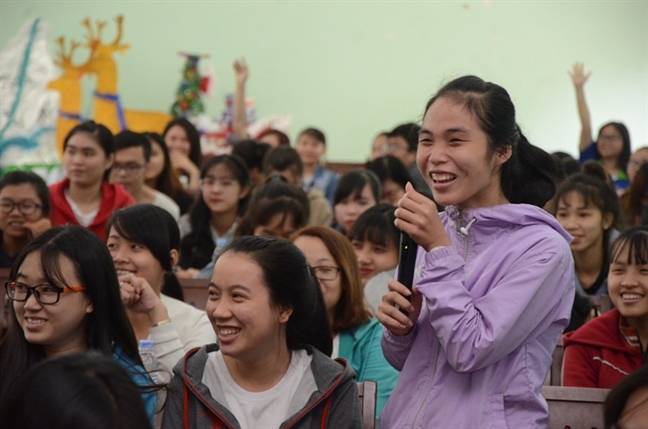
x=85, y=197
x=214, y=216
x=24, y=206
x=66, y=299
x=356, y=333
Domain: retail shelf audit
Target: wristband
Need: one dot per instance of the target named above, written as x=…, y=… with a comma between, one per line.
x=162, y=323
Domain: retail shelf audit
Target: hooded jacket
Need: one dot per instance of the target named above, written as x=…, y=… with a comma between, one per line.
x=495, y=304
x=335, y=404
x=601, y=353
x=113, y=197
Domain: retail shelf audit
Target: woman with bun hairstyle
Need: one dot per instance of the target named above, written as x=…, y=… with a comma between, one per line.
x=494, y=275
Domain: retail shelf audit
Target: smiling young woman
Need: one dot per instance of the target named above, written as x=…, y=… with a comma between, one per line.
x=65, y=299
x=143, y=241
x=270, y=367
x=606, y=349
x=24, y=207
x=588, y=209
x=495, y=271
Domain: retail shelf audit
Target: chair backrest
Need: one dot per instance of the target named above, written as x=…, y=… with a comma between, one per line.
x=195, y=292
x=367, y=392
x=556, y=364
x=575, y=407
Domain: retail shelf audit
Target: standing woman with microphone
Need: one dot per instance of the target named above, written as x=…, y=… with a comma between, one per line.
x=494, y=277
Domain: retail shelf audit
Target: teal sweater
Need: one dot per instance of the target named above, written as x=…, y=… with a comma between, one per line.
x=360, y=346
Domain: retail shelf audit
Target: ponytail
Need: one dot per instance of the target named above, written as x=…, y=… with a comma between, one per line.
x=530, y=176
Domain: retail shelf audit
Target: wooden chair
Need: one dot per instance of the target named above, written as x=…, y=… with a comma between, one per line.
x=367, y=392
x=556, y=364
x=195, y=292
x=574, y=407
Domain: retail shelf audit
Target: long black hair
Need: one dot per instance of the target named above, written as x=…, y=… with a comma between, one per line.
x=195, y=154
x=156, y=229
x=529, y=175
x=107, y=328
x=293, y=285
x=196, y=248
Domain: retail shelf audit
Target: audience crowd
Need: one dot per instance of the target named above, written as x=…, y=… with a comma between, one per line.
x=516, y=250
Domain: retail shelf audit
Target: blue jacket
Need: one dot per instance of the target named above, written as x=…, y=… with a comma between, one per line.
x=495, y=303
x=360, y=346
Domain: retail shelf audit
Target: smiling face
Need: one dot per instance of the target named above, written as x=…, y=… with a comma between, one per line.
x=60, y=327
x=374, y=258
x=628, y=288
x=350, y=208
x=135, y=258
x=220, y=190
x=12, y=223
x=455, y=160
x=248, y=326
x=318, y=255
x=584, y=222
x=85, y=160
x=177, y=140
x=610, y=142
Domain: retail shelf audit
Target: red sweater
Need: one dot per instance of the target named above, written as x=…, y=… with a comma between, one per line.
x=113, y=197
x=601, y=352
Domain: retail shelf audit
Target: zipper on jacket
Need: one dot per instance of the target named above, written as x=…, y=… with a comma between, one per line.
x=427, y=391
x=463, y=231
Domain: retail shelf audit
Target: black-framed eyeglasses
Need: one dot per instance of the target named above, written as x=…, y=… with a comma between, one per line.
x=26, y=208
x=326, y=273
x=129, y=168
x=45, y=294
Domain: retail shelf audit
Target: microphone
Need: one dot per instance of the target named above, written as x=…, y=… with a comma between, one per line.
x=406, y=261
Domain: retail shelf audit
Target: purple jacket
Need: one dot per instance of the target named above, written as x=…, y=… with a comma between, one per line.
x=496, y=302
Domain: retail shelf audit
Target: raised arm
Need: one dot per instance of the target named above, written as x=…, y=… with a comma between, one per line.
x=239, y=117
x=579, y=77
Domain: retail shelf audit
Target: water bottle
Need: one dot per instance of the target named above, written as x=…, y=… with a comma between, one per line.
x=148, y=358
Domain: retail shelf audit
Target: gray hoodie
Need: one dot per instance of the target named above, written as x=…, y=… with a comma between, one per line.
x=191, y=405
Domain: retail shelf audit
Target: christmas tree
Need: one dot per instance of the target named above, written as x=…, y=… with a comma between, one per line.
x=188, y=102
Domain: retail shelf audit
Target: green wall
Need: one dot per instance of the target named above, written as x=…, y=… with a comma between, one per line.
x=356, y=68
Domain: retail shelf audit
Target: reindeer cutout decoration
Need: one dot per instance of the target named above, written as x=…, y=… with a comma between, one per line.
x=69, y=87
x=108, y=109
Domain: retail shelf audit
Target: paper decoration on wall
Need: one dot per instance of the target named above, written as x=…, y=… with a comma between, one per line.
x=187, y=101
x=68, y=86
x=28, y=110
x=108, y=109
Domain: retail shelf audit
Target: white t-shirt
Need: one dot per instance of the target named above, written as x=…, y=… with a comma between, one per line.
x=336, y=347
x=264, y=409
x=84, y=219
x=164, y=201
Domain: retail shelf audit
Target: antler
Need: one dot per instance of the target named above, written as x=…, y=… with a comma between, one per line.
x=97, y=38
x=65, y=61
